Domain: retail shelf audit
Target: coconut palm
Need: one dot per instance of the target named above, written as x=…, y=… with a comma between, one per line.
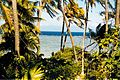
x=84, y=35
x=68, y=16
x=23, y=20
x=28, y=37
x=87, y=2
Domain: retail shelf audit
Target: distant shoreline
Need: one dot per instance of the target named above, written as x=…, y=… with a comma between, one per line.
x=58, y=33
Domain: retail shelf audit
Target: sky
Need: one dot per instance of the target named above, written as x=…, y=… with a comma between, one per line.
x=53, y=24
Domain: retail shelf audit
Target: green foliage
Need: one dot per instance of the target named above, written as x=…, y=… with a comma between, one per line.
x=110, y=39
x=11, y=66
x=106, y=62
x=73, y=10
x=63, y=65
x=98, y=65
x=34, y=73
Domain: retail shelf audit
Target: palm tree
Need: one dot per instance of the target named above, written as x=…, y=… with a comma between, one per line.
x=28, y=36
x=84, y=36
x=71, y=38
x=15, y=15
x=68, y=27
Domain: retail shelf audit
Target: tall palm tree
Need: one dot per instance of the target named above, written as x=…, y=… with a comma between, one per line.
x=28, y=36
x=87, y=2
x=84, y=36
x=71, y=38
x=67, y=26
x=15, y=15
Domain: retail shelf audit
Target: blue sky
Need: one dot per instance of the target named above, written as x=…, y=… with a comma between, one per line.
x=52, y=24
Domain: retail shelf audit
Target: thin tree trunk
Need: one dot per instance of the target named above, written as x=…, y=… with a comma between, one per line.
x=71, y=38
x=65, y=20
x=17, y=41
x=62, y=34
x=64, y=43
x=15, y=15
x=106, y=19
x=119, y=12
x=39, y=15
x=106, y=15
x=83, y=52
x=84, y=36
x=117, y=18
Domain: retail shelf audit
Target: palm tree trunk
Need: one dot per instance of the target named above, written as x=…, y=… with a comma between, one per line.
x=71, y=38
x=68, y=28
x=106, y=19
x=39, y=15
x=84, y=36
x=62, y=34
x=17, y=41
x=106, y=15
x=117, y=19
x=64, y=43
x=83, y=52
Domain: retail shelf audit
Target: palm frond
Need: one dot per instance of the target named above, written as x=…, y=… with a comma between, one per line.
x=7, y=15
x=34, y=73
x=51, y=11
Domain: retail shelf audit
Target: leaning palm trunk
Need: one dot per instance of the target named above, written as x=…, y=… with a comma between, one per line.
x=71, y=38
x=15, y=18
x=117, y=19
x=68, y=28
x=106, y=15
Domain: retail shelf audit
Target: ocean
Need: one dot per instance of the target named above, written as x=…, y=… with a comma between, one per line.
x=50, y=41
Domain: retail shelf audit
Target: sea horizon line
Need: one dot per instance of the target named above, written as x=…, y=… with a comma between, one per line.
x=58, y=33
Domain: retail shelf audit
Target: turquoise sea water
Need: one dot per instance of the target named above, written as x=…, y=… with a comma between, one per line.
x=51, y=43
